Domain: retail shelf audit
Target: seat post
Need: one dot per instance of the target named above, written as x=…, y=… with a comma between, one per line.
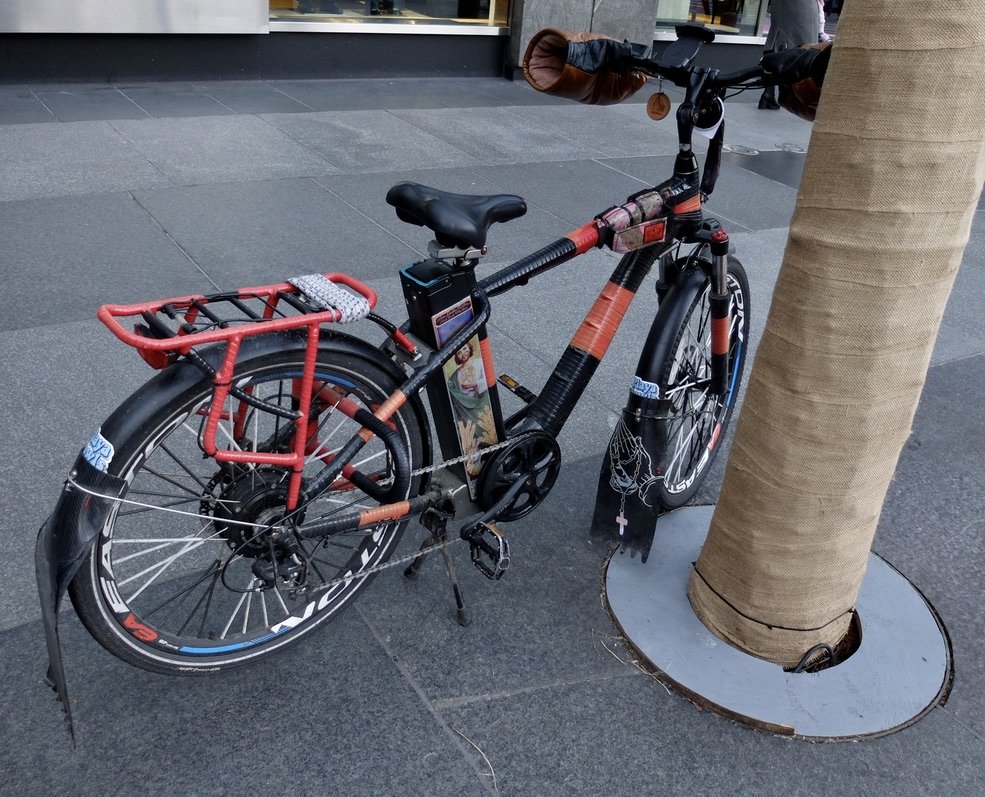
x=456, y=256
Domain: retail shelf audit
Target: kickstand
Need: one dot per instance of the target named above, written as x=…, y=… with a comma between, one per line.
x=437, y=524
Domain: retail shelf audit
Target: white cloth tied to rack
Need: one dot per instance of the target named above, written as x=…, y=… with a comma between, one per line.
x=328, y=295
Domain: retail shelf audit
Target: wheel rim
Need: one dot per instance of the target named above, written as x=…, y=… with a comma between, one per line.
x=187, y=586
x=696, y=416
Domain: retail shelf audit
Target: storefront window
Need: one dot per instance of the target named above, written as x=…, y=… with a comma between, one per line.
x=735, y=17
x=464, y=12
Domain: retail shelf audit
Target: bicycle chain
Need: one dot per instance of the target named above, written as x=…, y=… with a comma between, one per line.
x=437, y=546
x=385, y=565
x=464, y=458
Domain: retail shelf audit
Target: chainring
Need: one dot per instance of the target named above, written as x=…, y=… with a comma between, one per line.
x=533, y=456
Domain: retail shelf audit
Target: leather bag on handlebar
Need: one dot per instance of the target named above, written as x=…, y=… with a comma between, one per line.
x=580, y=66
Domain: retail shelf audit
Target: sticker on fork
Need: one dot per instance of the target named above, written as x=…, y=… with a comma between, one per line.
x=99, y=452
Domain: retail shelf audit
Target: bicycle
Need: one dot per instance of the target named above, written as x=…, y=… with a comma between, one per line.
x=250, y=490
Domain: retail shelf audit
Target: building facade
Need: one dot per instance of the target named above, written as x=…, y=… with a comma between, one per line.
x=107, y=40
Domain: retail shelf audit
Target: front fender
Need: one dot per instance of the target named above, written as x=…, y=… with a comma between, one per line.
x=85, y=504
x=626, y=503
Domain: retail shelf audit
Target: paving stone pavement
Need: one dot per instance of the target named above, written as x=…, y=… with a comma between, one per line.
x=120, y=193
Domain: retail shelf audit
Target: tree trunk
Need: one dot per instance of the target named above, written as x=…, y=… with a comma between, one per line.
x=893, y=174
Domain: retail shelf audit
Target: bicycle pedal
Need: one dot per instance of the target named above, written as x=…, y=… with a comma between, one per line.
x=489, y=548
x=516, y=388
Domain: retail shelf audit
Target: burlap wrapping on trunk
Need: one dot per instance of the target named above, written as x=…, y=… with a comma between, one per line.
x=893, y=172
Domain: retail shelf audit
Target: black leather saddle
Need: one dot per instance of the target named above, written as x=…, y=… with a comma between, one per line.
x=457, y=220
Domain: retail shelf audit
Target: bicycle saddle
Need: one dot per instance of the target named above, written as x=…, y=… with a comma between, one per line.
x=459, y=220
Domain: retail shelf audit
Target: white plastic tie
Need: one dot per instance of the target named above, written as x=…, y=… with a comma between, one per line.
x=328, y=295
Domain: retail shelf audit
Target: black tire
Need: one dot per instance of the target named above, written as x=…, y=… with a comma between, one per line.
x=177, y=593
x=693, y=421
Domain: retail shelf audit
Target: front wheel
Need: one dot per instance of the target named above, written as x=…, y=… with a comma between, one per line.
x=191, y=574
x=693, y=419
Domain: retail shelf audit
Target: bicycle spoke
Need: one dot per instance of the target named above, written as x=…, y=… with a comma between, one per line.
x=183, y=466
x=190, y=530
x=162, y=566
x=232, y=617
x=212, y=572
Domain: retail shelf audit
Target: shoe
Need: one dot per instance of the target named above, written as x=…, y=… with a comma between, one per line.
x=768, y=102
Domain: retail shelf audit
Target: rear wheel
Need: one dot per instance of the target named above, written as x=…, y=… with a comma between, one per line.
x=222, y=583
x=694, y=419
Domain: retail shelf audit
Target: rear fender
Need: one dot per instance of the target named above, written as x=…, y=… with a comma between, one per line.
x=90, y=494
x=86, y=503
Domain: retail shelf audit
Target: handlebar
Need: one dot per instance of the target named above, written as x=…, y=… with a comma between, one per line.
x=675, y=64
x=595, y=69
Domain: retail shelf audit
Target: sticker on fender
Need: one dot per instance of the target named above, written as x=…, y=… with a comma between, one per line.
x=644, y=389
x=99, y=452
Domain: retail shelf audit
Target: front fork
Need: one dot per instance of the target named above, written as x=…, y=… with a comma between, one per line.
x=719, y=308
x=717, y=240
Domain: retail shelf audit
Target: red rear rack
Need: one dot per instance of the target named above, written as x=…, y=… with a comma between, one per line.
x=168, y=329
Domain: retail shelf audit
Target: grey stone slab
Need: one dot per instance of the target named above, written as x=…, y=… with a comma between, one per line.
x=747, y=126
x=932, y=525
x=259, y=232
x=784, y=167
x=252, y=96
x=163, y=100
x=220, y=149
x=75, y=158
x=541, y=625
x=369, y=141
x=628, y=736
x=20, y=106
x=966, y=707
x=350, y=95
x=87, y=103
x=331, y=716
x=599, y=128
x=84, y=373
x=515, y=92
x=61, y=258
x=495, y=136
x=573, y=190
x=961, y=333
x=357, y=95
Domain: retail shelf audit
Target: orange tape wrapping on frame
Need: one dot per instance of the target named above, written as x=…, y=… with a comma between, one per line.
x=485, y=349
x=599, y=327
x=720, y=335
x=585, y=237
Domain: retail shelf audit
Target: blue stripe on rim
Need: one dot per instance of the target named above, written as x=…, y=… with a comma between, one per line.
x=228, y=648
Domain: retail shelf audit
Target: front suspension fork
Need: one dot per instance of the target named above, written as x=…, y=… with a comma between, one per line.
x=719, y=301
